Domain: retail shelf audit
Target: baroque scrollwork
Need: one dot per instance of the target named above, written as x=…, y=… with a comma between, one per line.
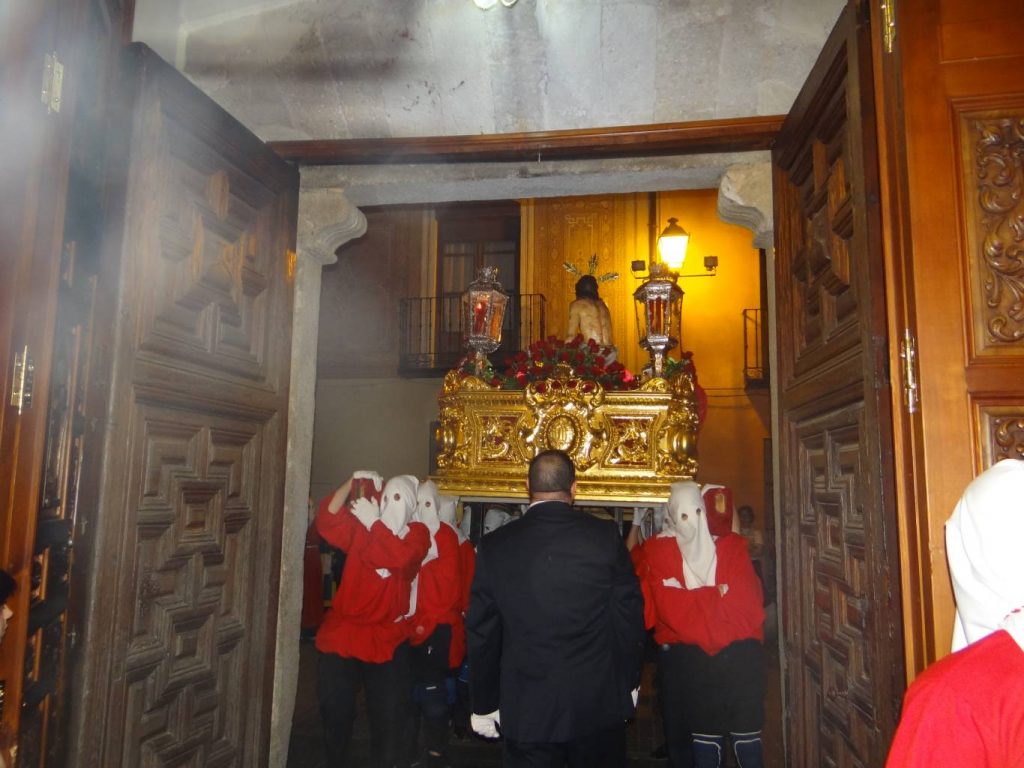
x=564, y=416
x=999, y=164
x=626, y=445
x=677, y=438
x=1008, y=437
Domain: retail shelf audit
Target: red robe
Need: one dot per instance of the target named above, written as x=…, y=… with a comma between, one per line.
x=312, y=581
x=700, y=616
x=365, y=620
x=439, y=596
x=965, y=710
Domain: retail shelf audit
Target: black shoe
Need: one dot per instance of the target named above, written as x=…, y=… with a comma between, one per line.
x=660, y=752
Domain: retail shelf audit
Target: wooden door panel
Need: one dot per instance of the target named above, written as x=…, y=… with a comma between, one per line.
x=956, y=106
x=841, y=611
x=180, y=645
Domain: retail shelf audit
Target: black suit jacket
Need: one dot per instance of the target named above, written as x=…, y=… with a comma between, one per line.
x=555, y=628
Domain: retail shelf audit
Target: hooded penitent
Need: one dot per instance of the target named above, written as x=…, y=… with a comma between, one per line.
x=985, y=547
x=398, y=503
x=428, y=512
x=687, y=521
x=494, y=518
x=447, y=512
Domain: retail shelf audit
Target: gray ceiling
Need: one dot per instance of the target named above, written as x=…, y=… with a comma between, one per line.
x=305, y=69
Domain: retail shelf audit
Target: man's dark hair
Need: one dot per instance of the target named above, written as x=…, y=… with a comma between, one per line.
x=551, y=472
x=586, y=287
x=7, y=586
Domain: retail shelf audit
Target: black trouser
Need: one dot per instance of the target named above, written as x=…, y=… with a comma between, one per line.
x=603, y=748
x=430, y=688
x=718, y=694
x=387, y=691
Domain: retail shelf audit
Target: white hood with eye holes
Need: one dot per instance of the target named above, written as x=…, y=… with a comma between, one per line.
x=398, y=503
x=687, y=521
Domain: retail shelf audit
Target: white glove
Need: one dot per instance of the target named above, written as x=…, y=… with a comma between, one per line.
x=369, y=474
x=367, y=510
x=635, y=693
x=722, y=589
x=488, y=726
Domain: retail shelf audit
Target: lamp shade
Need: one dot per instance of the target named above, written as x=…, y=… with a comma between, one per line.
x=485, y=311
x=659, y=314
x=672, y=244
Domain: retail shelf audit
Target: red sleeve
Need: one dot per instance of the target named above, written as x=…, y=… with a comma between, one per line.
x=341, y=529
x=385, y=550
x=740, y=613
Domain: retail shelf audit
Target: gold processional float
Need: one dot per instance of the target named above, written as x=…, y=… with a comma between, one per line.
x=629, y=438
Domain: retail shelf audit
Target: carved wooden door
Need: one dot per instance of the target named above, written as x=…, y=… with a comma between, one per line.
x=840, y=592
x=193, y=328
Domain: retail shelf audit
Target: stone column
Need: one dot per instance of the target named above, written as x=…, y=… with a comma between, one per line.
x=327, y=220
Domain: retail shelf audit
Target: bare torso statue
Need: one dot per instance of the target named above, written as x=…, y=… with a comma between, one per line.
x=589, y=315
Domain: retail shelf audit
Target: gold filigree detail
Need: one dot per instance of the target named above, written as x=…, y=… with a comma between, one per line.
x=631, y=442
x=627, y=446
x=677, y=438
x=564, y=416
x=496, y=438
x=999, y=150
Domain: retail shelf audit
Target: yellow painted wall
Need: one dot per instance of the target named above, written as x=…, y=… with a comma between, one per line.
x=617, y=229
x=732, y=437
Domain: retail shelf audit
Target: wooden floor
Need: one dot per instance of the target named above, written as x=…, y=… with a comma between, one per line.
x=305, y=749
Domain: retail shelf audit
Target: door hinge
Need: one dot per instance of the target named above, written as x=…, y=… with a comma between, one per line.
x=888, y=9
x=53, y=82
x=908, y=356
x=24, y=377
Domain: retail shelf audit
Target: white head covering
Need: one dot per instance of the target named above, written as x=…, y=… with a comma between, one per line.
x=985, y=547
x=687, y=521
x=427, y=512
x=446, y=512
x=494, y=518
x=398, y=503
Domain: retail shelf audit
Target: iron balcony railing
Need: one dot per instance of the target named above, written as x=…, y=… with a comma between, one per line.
x=432, y=331
x=755, y=371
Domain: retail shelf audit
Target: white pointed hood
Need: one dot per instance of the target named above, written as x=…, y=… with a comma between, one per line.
x=398, y=503
x=687, y=521
x=985, y=547
x=428, y=512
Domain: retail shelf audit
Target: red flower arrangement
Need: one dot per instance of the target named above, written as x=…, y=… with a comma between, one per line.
x=587, y=359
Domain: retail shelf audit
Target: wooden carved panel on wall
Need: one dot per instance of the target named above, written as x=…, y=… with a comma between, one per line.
x=1002, y=432
x=992, y=146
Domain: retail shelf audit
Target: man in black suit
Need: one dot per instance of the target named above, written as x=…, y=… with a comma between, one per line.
x=555, y=631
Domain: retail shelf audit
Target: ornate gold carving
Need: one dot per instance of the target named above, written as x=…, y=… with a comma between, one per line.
x=631, y=442
x=627, y=446
x=677, y=437
x=998, y=214
x=563, y=415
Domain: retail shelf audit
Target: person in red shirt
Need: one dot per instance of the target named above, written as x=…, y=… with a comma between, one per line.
x=968, y=708
x=436, y=631
x=363, y=638
x=704, y=603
